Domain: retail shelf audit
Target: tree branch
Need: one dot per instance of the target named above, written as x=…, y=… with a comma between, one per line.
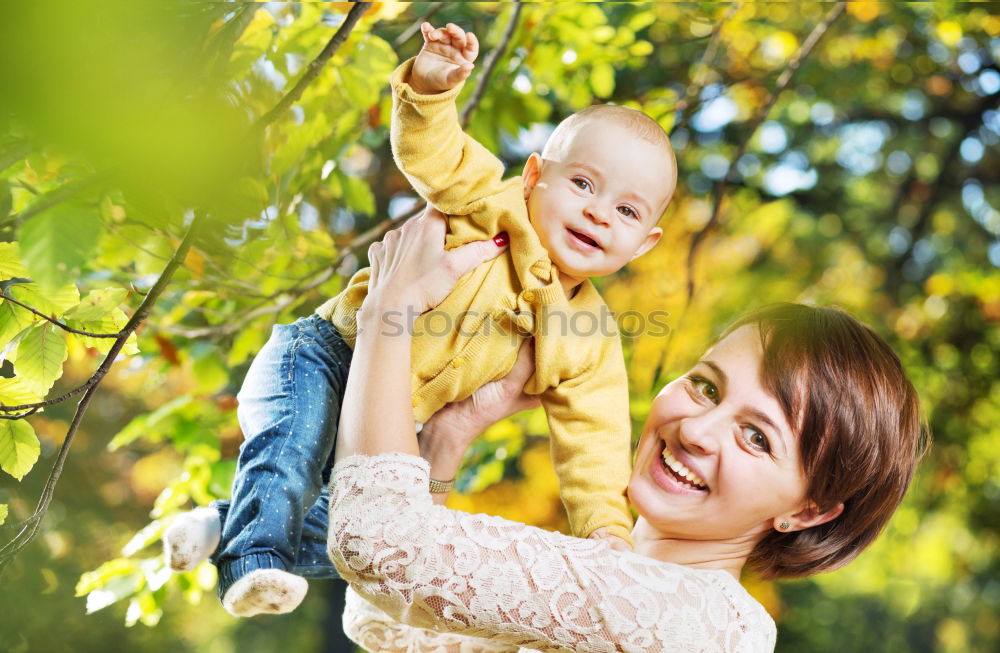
x=782, y=83
x=29, y=527
x=57, y=196
x=701, y=71
x=489, y=65
x=287, y=296
x=316, y=65
x=54, y=321
x=406, y=34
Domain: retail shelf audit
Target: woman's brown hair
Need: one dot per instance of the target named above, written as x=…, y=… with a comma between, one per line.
x=859, y=425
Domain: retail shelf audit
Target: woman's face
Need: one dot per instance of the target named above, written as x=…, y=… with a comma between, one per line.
x=717, y=459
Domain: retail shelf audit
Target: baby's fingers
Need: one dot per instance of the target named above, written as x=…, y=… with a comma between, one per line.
x=457, y=35
x=432, y=34
x=471, y=47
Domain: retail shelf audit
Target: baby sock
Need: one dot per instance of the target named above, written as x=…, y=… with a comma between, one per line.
x=265, y=591
x=191, y=538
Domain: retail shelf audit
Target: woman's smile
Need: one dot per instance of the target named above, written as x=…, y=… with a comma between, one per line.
x=673, y=475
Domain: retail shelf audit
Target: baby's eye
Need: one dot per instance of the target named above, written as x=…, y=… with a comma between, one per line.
x=581, y=183
x=705, y=388
x=627, y=211
x=756, y=439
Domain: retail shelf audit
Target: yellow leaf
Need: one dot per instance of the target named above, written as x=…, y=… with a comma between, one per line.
x=778, y=47
x=863, y=11
x=949, y=32
x=387, y=10
x=262, y=20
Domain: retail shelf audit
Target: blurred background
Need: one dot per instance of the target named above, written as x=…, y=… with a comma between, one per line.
x=224, y=166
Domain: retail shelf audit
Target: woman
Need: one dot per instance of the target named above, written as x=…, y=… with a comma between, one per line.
x=786, y=448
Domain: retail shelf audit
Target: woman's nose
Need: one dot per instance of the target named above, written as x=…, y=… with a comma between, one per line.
x=702, y=433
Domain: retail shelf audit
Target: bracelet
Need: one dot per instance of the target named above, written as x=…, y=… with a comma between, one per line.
x=441, y=487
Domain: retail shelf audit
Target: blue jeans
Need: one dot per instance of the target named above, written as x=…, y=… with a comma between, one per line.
x=289, y=408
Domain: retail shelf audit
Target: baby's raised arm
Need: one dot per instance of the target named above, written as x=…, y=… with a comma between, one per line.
x=446, y=59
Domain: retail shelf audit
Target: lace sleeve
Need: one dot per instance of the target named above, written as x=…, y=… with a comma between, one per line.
x=487, y=577
x=374, y=630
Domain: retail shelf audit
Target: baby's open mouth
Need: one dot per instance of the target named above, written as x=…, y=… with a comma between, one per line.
x=584, y=238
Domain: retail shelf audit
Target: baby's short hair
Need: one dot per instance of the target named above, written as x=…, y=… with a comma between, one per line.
x=634, y=120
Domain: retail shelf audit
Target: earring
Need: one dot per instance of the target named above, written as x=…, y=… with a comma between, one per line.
x=783, y=526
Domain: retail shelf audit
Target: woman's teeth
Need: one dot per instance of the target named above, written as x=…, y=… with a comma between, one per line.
x=681, y=470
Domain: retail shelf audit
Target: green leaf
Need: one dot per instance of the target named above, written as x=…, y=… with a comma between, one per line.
x=14, y=392
x=358, y=195
x=40, y=356
x=13, y=320
x=10, y=262
x=112, y=581
x=50, y=301
x=55, y=244
x=144, y=607
x=3, y=513
x=19, y=447
x=110, y=323
x=211, y=373
x=6, y=201
x=149, y=424
x=97, y=304
x=602, y=80
x=149, y=534
x=247, y=343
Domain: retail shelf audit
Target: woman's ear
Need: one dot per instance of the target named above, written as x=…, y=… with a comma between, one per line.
x=532, y=172
x=808, y=517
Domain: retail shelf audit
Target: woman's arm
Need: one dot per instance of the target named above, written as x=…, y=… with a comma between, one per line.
x=410, y=273
x=482, y=576
x=449, y=432
x=374, y=630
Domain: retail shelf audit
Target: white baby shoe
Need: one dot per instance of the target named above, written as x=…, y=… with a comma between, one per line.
x=265, y=591
x=191, y=538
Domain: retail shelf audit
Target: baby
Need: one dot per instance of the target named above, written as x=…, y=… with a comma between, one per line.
x=584, y=207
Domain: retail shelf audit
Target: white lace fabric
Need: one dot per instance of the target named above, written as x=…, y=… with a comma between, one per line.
x=441, y=580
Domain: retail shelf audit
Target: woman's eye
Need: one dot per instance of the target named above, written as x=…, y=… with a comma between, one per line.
x=756, y=439
x=705, y=388
x=628, y=212
x=582, y=184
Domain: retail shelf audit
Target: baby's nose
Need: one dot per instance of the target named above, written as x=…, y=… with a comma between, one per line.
x=597, y=212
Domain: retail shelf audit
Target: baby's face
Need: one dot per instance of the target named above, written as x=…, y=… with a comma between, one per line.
x=595, y=204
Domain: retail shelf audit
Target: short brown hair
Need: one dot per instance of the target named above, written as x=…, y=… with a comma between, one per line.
x=859, y=426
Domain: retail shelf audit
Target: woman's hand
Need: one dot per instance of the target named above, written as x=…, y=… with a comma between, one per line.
x=450, y=431
x=410, y=273
x=410, y=269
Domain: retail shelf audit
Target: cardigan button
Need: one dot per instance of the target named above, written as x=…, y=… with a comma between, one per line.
x=457, y=363
x=528, y=295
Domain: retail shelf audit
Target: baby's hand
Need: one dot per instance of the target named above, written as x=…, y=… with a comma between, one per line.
x=445, y=60
x=615, y=542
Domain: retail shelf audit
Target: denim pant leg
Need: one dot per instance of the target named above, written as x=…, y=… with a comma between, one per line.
x=312, y=559
x=289, y=407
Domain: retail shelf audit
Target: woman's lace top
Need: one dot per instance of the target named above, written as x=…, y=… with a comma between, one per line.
x=444, y=571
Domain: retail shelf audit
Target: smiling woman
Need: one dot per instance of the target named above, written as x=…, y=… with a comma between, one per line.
x=786, y=448
x=805, y=402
